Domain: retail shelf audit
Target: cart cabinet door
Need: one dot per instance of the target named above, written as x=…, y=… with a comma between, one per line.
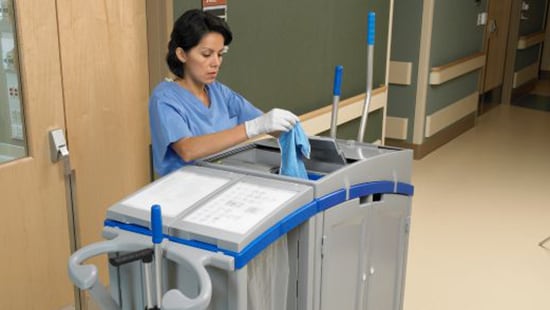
x=364, y=254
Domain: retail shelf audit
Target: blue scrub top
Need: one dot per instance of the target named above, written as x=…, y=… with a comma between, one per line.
x=175, y=113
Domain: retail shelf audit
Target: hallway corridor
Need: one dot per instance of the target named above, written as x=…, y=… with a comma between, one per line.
x=481, y=206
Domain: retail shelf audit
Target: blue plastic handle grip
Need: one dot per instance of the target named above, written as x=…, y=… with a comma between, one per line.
x=337, y=89
x=156, y=224
x=370, y=28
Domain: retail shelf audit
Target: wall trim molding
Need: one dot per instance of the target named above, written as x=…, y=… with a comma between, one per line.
x=459, y=67
x=400, y=72
x=318, y=121
x=397, y=127
x=450, y=114
x=531, y=39
x=526, y=74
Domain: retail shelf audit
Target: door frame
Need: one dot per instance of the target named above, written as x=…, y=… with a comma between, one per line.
x=513, y=37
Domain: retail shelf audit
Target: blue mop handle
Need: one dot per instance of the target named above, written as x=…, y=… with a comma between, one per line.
x=337, y=88
x=156, y=228
x=336, y=91
x=371, y=20
x=371, y=27
x=156, y=224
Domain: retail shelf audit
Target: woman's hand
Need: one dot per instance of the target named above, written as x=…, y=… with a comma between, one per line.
x=276, y=120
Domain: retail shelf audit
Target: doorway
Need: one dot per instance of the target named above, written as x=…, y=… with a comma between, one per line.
x=495, y=46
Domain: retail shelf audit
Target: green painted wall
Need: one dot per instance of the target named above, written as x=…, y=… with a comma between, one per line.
x=181, y=6
x=535, y=17
x=284, y=52
x=526, y=57
x=349, y=130
x=454, y=35
x=534, y=23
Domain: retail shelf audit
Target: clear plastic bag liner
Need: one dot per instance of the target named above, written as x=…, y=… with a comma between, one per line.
x=268, y=277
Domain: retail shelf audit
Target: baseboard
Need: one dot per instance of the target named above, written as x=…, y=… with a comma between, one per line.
x=439, y=139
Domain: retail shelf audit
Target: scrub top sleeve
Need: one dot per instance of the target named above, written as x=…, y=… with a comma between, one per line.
x=167, y=126
x=238, y=106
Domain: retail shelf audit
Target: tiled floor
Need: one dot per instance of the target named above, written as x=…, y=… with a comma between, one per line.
x=481, y=206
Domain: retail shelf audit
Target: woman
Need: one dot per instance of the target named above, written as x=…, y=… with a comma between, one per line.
x=194, y=115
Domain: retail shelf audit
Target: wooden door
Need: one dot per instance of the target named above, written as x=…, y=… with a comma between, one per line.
x=496, y=34
x=103, y=46
x=84, y=70
x=34, y=230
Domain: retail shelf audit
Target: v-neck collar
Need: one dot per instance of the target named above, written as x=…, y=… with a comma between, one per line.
x=195, y=98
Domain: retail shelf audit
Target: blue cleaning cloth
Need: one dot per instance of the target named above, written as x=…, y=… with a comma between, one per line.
x=294, y=146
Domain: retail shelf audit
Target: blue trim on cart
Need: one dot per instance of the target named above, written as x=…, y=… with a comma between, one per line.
x=299, y=216
x=405, y=189
x=288, y=223
x=380, y=187
x=331, y=200
x=129, y=227
x=314, y=176
x=196, y=244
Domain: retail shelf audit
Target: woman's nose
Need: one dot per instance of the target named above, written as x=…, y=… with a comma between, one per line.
x=216, y=61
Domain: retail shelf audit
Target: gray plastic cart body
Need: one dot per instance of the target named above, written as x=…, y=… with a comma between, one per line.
x=346, y=228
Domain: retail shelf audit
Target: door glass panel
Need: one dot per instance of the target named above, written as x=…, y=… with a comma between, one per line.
x=13, y=143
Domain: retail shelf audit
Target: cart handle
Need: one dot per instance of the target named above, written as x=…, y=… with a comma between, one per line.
x=86, y=276
x=197, y=260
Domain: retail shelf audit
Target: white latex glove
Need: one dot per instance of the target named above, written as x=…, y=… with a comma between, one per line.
x=274, y=120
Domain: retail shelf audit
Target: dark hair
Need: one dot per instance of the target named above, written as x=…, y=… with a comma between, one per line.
x=188, y=30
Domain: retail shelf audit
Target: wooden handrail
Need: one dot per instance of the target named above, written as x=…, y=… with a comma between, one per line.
x=318, y=120
x=344, y=103
x=531, y=39
x=449, y=71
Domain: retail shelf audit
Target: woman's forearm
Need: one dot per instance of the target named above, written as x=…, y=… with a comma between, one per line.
x=201, y=146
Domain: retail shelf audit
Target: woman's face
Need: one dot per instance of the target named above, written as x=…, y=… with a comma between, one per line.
x=202, y=62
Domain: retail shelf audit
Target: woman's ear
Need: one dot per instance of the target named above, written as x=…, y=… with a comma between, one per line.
x=180, y=53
